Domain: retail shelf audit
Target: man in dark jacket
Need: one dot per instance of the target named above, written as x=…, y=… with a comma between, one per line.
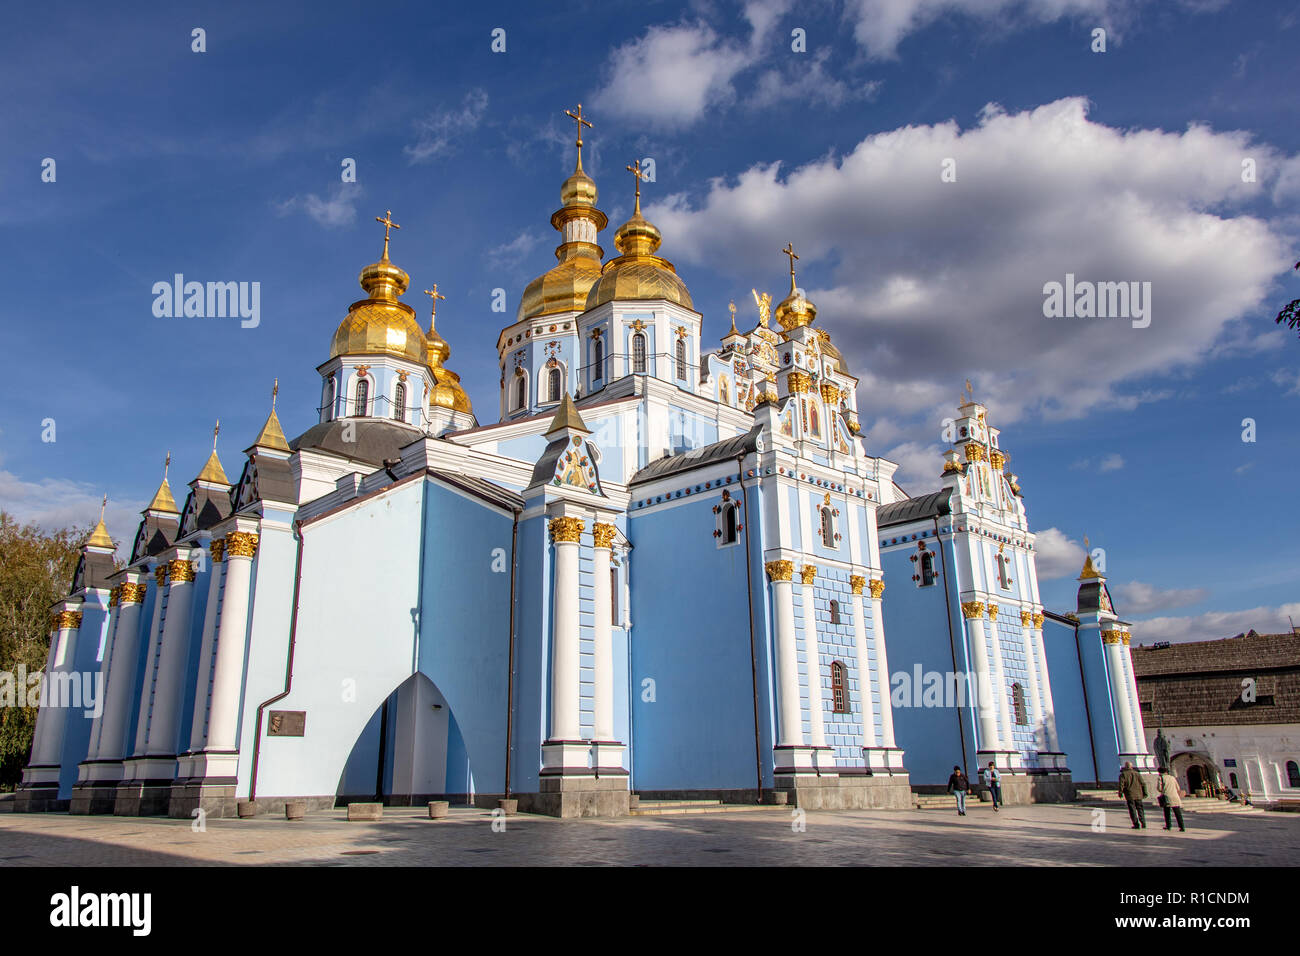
x=1133, y=790
x=958, y=785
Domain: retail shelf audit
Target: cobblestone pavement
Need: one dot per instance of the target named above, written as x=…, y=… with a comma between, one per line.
x=1041, y=835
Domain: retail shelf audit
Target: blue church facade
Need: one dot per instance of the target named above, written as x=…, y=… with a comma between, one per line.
x=661, y=571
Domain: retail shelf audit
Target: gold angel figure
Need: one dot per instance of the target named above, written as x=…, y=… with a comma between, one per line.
x=764, y=303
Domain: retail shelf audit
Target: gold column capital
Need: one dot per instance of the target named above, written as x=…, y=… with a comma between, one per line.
x=1038, y=620
x=808, y=573
x=114, y=596
x=160, y=575
x=779, y=570
x=857, y=582
x=65, y=620
x=993, y=611
x=133, y=593
x=604, y=534
x=799, y=382
x=241, y=544
x=180, y=571
x=1125, y=636
x=1026, y=618
x=1111, y=636
x=974, y=451
x=566, y=530
x=830, y=394
x=877, y=588
x=218, y=550
x=972, y=609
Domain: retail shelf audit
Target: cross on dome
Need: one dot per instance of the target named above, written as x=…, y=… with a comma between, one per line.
x=387, y=220
x=789, y=251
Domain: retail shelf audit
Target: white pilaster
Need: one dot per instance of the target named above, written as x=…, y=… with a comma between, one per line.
x=197, y=724
x=986, y=721
x=1045, y=685
x=868, y=678
x=121, y=672
x=232, y=637
x=170, y=683
x=603, y=648
x=882, y=665
x=816, y=693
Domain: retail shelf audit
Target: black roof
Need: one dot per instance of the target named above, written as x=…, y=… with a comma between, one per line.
x=922, y=506
x=728, y=448
x=376, y=441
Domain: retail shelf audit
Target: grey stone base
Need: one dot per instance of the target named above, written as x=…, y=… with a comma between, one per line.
x=726, y=796
x=93, y=798
x=856, y=792
x=1022, y=789
x=571, y=797
x=274, y=806
x=216, y=800
x=142, y=798
x=39, y=800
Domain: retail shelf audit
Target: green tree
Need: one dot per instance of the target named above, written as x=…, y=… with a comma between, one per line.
x=36, y=569
x=1290, y=314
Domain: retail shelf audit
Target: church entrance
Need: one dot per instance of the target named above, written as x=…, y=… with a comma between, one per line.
x=410, y=752
x=1195, y=778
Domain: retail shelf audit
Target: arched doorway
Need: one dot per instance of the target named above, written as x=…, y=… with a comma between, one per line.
x=1195, y=778
x=410, y=751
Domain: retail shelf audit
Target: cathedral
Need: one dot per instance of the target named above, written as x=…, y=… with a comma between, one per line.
x=663, y=570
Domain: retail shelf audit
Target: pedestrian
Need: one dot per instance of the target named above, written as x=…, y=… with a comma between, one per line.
x=1134, y=790
x=1171, y=798
x=958, y=785
x=993, y=780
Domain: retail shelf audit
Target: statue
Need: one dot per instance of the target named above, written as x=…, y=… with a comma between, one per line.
x=1162, y=749
x=764, y=303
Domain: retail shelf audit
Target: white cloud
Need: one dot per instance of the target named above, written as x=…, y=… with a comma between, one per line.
x=671, y=75
x=1216, y=624
x=930, y=283
x=808, y=81
x=1112, y=462
x=881, y=25
x=340, y=209
x=440, y=132
x=1136, y=597
x=1057, y=555
x=510, y=253
x=55, y=503
x=919, y=465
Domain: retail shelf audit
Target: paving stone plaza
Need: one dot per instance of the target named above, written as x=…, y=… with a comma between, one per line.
x=1035, y=835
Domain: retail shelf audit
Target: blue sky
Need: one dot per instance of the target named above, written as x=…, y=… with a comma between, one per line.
x=1117, y=166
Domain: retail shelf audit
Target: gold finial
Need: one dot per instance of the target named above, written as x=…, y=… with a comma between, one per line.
x=789, y=251
x=635, y=170
x=275, y=390
x=731, y=307
x=577, y=118
x=970, y=391
x=434, y=295
x=102, y=505
x=99, y=537
x=167, y=463
x=387, y=220
x=216, y=430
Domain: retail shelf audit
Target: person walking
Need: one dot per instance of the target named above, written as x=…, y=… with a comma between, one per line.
x=1171, y=798
x=1134, y=790
x=958, y=785
x=993, y=780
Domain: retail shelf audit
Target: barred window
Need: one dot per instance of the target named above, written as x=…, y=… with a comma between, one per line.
x=927, y=569
x=1018, y=703
x=828, y=528
x=681, y=358
x=599, y=372
x=835, y=611
x=399, y=401
x=638, y=353
x=553, y=385
x=362, y=402
x=521, y=392
x=840, y=687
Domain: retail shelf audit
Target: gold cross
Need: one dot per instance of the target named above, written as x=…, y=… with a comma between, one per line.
x=215, y=432
x=102, y=505
x=435, y=296
x=387, y=220
x=167, y=463
x=789, y=251
x=275, y=390
x=635, y=170
x=577, y=117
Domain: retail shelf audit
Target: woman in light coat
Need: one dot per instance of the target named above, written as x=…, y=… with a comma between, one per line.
x=1171, y=798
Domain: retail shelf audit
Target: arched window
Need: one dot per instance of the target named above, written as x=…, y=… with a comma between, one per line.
x=1292, y=774
x=399, y=401
x=1018, y=703
x=638, y=353
x=553, y=382
x=327, y=401
x=839, y=687
x=730, y=529
x=927, y=569
x=521, y=391
x=828, y=528
x=681, y=358
x=1232, y=781
x=835, y=611
x=1003, y=579
x=362, y=402
x=599, y=371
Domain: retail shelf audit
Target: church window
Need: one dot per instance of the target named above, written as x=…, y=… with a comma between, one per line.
x=835, y=611
x=1003, y=578
x=681, y=358
x=1018, y=704
x=521, y=391
x=839, y=687
x=638, y=353
x=553, y=381
x=828, y=528
x=1292, y=774
x=729, y=525
x=327, y=404
x=599, y=373
x=361, y=403
x=399, y=401
x=927, y=569
x=1232, y=781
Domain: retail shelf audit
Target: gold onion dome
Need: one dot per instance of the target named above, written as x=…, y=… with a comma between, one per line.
x=795, y=309
x=380, y=324
x=638, y=273
x=99, y=537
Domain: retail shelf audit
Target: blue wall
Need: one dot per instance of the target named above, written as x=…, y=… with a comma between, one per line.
x=1068, y=699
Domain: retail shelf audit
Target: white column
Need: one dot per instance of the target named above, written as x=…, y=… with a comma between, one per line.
x=565, y=716
x=789, y=718
x=816, y=698
x=1000, y=678
x=603, y=651
x=137, y=746
x=198, y=729
x=1034, y=699
x=232, y=637
x=867, y=677
x=97, y=723
x=1045, y=685
x=882, y=663
x=1137, y=732
x=120, y=681
x=973, y=611
x=1118, y=676
x=170, y=684
x=52, y=715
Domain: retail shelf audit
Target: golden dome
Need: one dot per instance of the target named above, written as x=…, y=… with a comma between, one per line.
x=563, y=289
x=795, y=310
x=447, y=392
x=638, y=273
x=579, y=189
x=381, y=325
